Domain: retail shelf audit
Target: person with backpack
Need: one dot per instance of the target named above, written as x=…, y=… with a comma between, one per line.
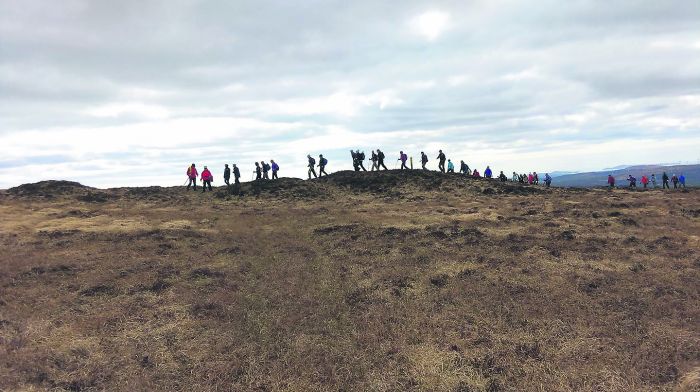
x=380, y=160
x=403, y=158
x=275, y=169
x=674, y=180
x=611, y=181
x=664, y=180
x=488, y=173
x=322, y=162
x=207, y=178
x=681, y=180
x=236, y=174
x=361, y=159
x=464, y=168
x=450, y=166
x=374, y=160
x=633, y=181
x=258, y=171
x=192, y=176
x=547, y=180
x=227, y=174
x=502, y=177
x=423, y=160
x=535, y=178
x=644, y=181
x=311, y=165
x=653, y=180
x=355, y=164
x=265, y=169
x=441, y=161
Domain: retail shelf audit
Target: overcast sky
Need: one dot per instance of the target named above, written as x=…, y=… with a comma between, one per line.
x=125, y=92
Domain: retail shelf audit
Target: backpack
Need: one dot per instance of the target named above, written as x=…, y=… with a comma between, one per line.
x=312, y=161
x=266, y=167
x=324, y=161
x=362, y=156
x=381, y=155
x=188, y=170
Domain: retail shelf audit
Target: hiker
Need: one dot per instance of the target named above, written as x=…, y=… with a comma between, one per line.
x=664, y=180
x=361, y=159
x=192, y=176
x=207, y=178
x=535, y=178
x=227, y=174
x=374, y=160
x=322, y=162
x=236, y=174
x=275, y=169
x=633, y=181
x=441, y=161
x=547, y=180
x=355, y=166
x=380, y=160
x=530, y=179
x=476, y=174
x=258, y=171
x=502, y=177
x=488, y=173
x=611, y=181
x=312, y=163
x=653, y=180
x=265, y=169
x=464, y=168
x=645, y=181
x=674, y=180
x=423, y=160
x=516, y=177
x=450, y=166
x=681, y=180
x=403, y=158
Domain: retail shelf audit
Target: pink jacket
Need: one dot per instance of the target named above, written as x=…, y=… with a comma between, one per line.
x=206, y=175
x=192, y=172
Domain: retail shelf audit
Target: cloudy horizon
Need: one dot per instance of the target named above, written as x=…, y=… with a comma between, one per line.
x=129, y=93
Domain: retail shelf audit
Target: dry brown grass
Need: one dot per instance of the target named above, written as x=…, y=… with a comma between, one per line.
x=380, y=283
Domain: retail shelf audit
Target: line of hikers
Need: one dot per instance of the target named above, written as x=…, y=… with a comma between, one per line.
x=358, y=157
x=678, y=181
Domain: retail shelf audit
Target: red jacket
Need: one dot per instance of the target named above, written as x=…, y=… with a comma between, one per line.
x=206, y=175
x=645, y=180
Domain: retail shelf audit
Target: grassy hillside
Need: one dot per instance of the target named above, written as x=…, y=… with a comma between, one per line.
x=358, y=281
x=691, y=172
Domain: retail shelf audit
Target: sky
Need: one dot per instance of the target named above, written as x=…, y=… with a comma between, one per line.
x=129, y=93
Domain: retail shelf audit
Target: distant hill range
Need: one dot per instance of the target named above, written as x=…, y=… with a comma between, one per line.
x=599, y=178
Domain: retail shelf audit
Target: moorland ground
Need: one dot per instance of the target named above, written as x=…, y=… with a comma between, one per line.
x=359, y=281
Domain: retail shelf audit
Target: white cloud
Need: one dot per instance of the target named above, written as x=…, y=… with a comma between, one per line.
x=431, y=24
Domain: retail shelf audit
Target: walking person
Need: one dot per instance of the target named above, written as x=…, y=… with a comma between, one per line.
x=644, y=181
x=192, y=176
x=516, y=177
x=355, y=164
x=311, y=166
x=464, y=168
x=441, y=161
x=633, y=182
x=450, y=166
x=227, y=174
x=322, y=162
x=653, y=180
x=674, y=180
x=681, y=180
x=207, y=178
x=265, y=169
x=547, y=180
x=258, y=171
x=374, y=160
x=361, y=159
x=664, y=180
x=423, y=160
x=502, y=177
x=488, y=173
x=403, y=158
x=275, y=169
x=611, y=181
x=380, y=160
x=535, y=178
x=236, y=175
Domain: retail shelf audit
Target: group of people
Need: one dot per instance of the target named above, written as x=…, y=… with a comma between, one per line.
x=678, y=181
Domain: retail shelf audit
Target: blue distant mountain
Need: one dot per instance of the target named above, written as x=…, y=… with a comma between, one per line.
x=600, y=178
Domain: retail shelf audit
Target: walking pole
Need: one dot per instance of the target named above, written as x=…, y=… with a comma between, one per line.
x=411, y=163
